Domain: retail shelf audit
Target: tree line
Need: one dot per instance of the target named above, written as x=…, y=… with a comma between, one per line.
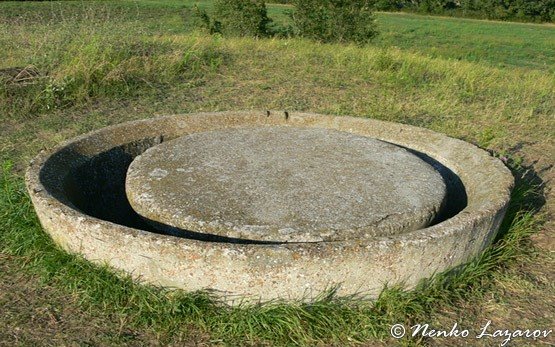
x=510, y=10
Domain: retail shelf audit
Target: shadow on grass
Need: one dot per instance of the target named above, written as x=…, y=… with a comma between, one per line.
x=329, y=319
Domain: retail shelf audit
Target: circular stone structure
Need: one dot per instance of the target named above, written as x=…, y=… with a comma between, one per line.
x=79, y=193
x=284, y=184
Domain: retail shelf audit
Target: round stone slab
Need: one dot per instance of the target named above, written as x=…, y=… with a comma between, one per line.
x=284, y=184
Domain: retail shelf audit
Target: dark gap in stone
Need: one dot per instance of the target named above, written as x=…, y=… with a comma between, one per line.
x=456, y=199
x=95, y=185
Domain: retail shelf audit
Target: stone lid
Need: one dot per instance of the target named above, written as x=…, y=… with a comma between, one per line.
x=284, y=184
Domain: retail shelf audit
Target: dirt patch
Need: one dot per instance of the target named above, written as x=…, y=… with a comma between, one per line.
x=20, y=75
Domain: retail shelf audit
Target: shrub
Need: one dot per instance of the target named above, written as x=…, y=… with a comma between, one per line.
x=388, y=5
x=236, y=18
x=335, y=20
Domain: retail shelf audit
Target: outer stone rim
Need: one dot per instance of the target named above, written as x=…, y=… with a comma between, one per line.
x=298, y=271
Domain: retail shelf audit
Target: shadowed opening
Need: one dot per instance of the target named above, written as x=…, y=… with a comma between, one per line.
x=95, y=185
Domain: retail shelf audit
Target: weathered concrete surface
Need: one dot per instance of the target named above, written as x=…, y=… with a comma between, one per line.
x=289, y=271
x=285, y=184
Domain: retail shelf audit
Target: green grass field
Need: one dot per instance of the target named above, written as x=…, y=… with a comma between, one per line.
x=101, y=63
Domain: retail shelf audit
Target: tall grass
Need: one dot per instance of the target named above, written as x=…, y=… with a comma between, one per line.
x=84, y=54
x=95, y=52
x=95, y=66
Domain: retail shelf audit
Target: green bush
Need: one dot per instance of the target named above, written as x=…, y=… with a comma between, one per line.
x=236, y=18
x=388, y=5
x=335, y=20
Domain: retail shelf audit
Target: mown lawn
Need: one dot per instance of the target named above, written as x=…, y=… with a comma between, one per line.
x=102, y=63
x=498, y=44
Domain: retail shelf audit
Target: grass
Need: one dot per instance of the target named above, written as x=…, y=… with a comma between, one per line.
x=107, y=62
x=498, y=44
x=328, y=319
